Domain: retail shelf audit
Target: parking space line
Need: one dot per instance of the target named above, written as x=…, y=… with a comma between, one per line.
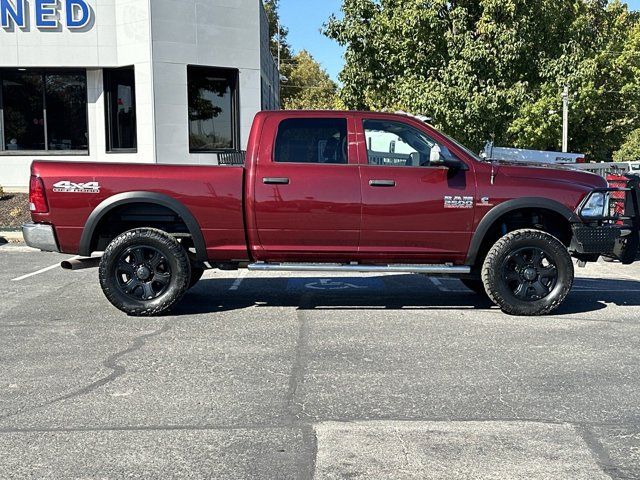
x=44, y=270
x=439, y=284
x=603, y=290
x=17, y=249
x=238, y=282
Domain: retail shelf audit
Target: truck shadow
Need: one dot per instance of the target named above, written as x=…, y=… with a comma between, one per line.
x=392, y=292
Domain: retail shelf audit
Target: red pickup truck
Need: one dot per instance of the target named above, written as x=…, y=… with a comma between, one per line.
x=337, y=192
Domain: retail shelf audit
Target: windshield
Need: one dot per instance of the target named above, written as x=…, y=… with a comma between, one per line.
x=475, y=156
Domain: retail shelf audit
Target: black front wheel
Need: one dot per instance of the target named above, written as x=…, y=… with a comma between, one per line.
x=144, y=272
x=528, y=272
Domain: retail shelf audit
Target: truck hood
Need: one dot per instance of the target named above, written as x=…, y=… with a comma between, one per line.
x=555, y=173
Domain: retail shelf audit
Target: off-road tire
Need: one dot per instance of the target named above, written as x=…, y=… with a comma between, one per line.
x=196, y=275
x=497, y=287
x=475, y=285
x=176, y=257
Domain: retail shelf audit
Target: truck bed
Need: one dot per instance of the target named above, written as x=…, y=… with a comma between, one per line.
x=212, y=194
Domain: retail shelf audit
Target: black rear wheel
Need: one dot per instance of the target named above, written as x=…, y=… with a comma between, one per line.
x=528, y=272
x=144, y=272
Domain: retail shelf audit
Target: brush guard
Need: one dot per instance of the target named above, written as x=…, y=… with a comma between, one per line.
x=615, y=235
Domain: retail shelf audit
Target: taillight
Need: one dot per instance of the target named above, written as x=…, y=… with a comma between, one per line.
x=37, y=196
x=581, y=160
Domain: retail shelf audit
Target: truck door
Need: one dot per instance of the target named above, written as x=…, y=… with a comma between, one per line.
x=307, y=199
x=414, y=209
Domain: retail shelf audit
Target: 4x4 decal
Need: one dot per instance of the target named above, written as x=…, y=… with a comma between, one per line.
x=66, y=186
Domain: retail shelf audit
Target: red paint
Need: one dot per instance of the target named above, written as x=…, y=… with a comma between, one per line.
x=326, y=212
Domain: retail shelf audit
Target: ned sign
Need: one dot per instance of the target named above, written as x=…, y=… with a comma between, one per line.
x=45, y=14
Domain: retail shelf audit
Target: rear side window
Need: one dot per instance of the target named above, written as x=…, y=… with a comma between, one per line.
x=312, y=140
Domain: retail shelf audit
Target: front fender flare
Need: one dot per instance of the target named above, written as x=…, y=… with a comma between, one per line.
x=509, y=206
x=142, y=197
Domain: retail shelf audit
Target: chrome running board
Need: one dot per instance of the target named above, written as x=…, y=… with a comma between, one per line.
x=331, y=267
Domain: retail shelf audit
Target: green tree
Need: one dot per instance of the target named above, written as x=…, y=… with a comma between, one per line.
x=483, y=68
x=308, y=86
x=630, y=149
x=601, y=68
x=305, y=84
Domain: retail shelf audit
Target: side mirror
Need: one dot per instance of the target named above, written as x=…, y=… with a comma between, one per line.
x=455, y=164
x=440, y=158
x=451, y=163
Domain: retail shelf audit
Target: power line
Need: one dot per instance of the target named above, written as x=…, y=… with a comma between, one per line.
x=616, y=111
x=307, y=87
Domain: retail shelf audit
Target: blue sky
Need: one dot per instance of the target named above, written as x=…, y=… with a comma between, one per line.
x=305, y=18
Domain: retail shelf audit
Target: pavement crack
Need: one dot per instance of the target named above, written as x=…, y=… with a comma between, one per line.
x=600, y=453
x=403, y=445
x=293, y=408
x=111, y=362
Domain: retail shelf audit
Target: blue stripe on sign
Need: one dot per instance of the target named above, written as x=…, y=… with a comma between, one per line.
x=334, y=285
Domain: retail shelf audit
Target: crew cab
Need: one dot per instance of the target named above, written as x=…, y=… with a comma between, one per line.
x=337, y=192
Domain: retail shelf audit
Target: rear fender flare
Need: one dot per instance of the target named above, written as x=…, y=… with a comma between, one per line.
x=142, y=197
x=510, y=206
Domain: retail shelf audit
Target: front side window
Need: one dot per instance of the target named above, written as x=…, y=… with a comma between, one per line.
x=43, y=110
x=213, y=116
x=120, y=109
x=396, y=144
x=312, y=140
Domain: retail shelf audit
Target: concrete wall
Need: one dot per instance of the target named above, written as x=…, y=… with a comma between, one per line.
x=270, y=74
x=118, y=36
x=216, y=33
x=159, y=38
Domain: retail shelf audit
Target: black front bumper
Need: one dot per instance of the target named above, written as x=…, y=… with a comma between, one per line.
x=619, y=242
x=615, y=236
x=595, y=239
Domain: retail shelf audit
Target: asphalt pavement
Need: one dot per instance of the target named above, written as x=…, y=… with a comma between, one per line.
x=279, y=376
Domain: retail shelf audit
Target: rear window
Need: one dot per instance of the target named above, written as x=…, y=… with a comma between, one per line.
x=312, y=140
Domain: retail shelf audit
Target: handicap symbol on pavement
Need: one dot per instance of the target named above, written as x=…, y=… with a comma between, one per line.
x=336, y=284
x=332, y=284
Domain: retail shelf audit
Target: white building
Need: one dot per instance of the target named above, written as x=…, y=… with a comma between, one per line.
x=166, y=81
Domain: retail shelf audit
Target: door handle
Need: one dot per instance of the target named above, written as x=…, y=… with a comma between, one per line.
x=382, y=183
x=275, y=181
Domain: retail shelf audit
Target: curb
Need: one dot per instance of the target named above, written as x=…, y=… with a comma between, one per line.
x=11, y=236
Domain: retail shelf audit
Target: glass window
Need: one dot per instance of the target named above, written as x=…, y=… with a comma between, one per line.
x=396, y=144
x=120, y=109
x=312, y=140
x=66, y=103
x=23, y=111
x=213, y=118
x=43, y=110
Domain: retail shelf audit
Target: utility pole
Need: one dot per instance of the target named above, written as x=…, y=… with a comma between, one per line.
x=565, y=120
